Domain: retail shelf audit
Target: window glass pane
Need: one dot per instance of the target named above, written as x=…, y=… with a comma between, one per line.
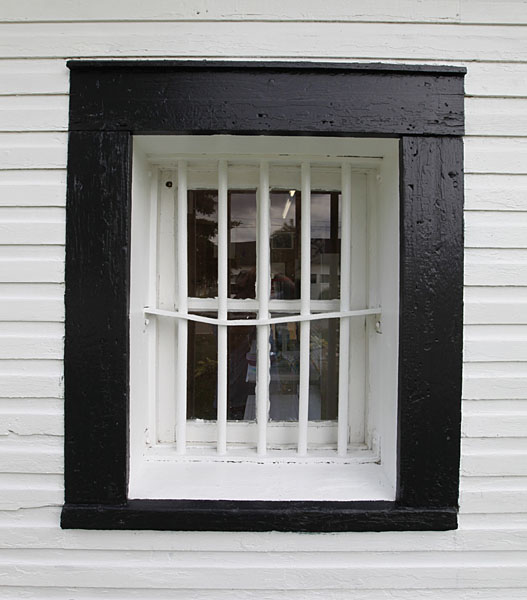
x=242, y=244
x=285, y=244
x=285, y=371
x=325, y=245
x=203, y=243
x=242, y=370
x=202, y=370
x=323, y=369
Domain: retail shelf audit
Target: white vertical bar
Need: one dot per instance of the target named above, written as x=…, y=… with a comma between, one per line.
x=152, y=301
x=345, y=290
x=358, y=299
x=166, y=299
x=263, y=290
x=222, y=305
x=305, y=301
x=182, y=275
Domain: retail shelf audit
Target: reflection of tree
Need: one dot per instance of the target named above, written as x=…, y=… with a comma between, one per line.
x=203, y=230
x=283, y=237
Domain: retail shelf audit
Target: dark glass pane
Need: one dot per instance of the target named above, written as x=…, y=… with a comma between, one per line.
x=202, y=243
x=324, y=369
x=202, y=370
x=325, y=245
x=242, y=370
x=285, y=244
x=242, y=244
x=285, y=371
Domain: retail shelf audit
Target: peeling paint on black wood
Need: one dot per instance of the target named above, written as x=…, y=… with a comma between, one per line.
x=431, y=320
x=220, y=515
x=207, y=99
x=97, y=287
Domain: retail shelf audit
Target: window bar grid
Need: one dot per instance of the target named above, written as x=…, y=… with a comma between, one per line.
x=345, y=289
x=152, y=299
x=305, y=298
x=263, y=291
x=182, y=331
x=222, y=305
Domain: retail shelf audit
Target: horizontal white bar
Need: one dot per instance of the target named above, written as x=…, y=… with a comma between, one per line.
x=251, y=305
x=268, y=321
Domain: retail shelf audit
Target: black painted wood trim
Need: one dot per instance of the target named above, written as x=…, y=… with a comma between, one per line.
x=96, y=360
x=83, y=65
x=431, y=320
x=275, y=99
x=97, y=276
x=222, y=515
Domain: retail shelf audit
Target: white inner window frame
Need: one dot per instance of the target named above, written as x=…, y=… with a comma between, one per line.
x=352, y=459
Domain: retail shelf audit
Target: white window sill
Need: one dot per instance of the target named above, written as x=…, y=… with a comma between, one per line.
x=211, y=480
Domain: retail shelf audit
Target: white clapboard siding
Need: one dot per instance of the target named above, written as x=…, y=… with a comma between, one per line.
x=442, y=11
x=32, y=416
x=485, y=558
x=491, y=305
x=34, y=113
x=496, y=155
x=33, y=77
x=40, y=150
x=383, y=571
x=491, y=229
x=494, y=381
x=492, y=116
x=495, y=266
x=496, y=192
x=32, y=187
x=252, y=39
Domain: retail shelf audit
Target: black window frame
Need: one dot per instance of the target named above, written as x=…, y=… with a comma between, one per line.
x=110, y=101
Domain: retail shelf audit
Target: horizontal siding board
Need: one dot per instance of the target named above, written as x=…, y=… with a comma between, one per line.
x=249, y=39
x=31, y=386
x=274, y=10
x=443, y=11
x=19, y=232
x=498, y=155
x=24, y=421
x=496, y=192
x=31, y=309
x=31, y=347
x=32, y=188
x=494, y=425
x=21, y=271
x=369, y=572
x=30, y=77
x=495, y=230
x=35, y=150
x=33, y=113
x=496, y=79
x=494, y=116
x=495, y=305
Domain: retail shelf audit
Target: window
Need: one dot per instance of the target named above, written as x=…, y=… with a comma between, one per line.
x=224, y=231
x=114, y=108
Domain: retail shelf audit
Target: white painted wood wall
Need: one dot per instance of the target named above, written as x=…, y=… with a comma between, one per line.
x=487, y=557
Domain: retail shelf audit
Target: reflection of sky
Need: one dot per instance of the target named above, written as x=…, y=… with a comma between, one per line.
x=243, y=210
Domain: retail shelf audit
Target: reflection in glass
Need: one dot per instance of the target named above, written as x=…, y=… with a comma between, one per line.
x=202, y=222
x=285, y=371
x=323, y=369
x=285, y=244
x=242, y=370
x=325, y=245
x=202, y=369
x=242, y=244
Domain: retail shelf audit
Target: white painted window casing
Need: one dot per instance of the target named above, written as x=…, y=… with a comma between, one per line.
x=350, y=458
